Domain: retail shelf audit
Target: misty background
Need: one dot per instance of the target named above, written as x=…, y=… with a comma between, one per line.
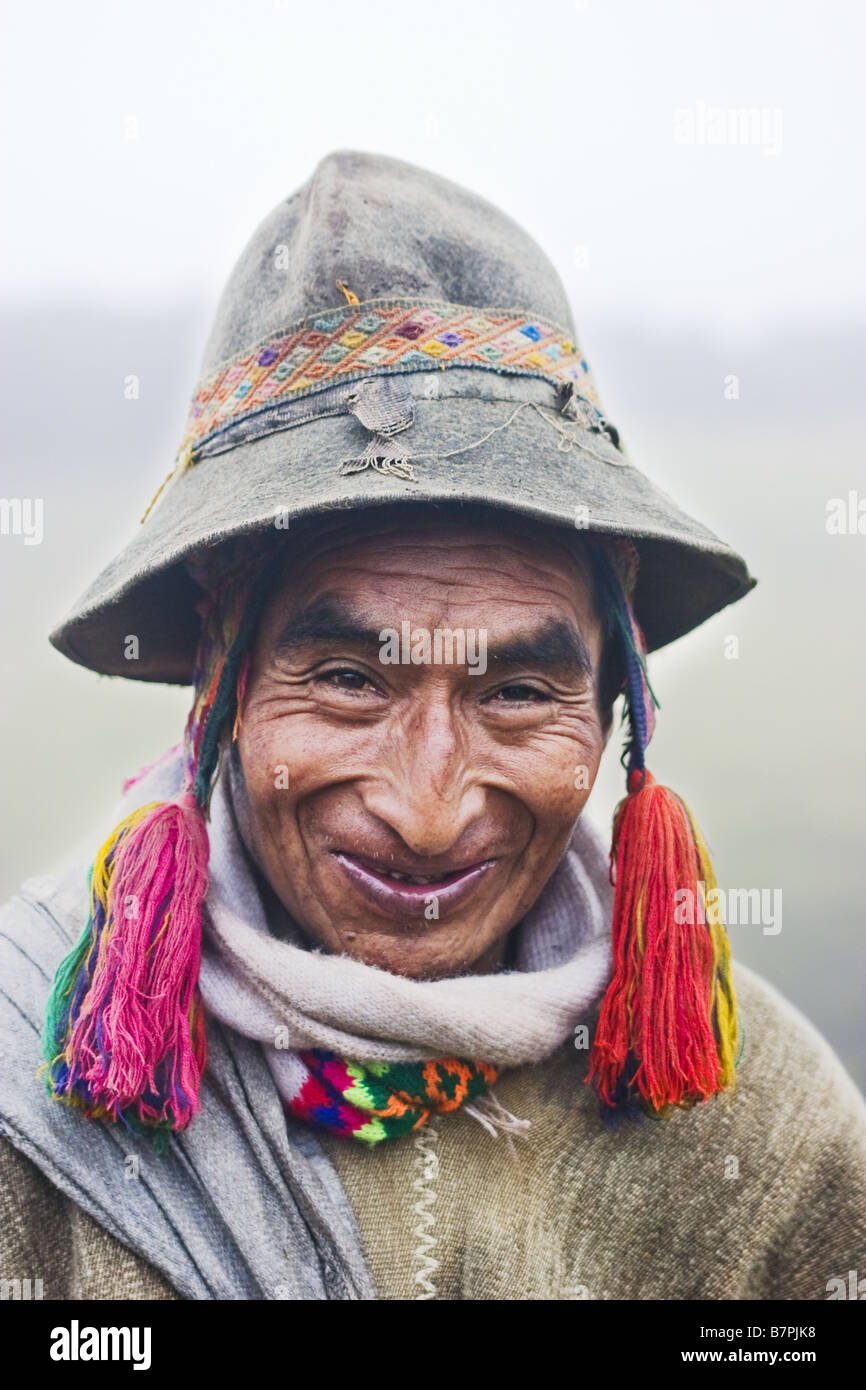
x=142, y=145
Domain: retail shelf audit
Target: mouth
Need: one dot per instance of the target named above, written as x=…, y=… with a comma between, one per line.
x=401, y=894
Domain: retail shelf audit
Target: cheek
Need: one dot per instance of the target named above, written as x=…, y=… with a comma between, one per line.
x=293, y=761
x=262, y=756
x=554, y=772
x=277, y=760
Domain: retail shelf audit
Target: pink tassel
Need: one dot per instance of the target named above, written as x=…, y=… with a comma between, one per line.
x=136, y=1041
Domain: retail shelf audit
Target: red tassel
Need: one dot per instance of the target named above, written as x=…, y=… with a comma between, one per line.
x=669, y=1013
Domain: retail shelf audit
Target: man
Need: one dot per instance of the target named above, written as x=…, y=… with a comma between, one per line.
x=319, y=1021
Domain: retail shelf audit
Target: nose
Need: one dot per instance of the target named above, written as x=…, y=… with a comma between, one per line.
x=427, y=792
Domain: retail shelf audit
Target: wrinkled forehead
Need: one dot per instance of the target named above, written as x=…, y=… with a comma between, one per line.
x=525, y=588
x=471, y=553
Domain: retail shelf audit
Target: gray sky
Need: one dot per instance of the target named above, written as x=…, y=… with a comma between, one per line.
x=143, y=141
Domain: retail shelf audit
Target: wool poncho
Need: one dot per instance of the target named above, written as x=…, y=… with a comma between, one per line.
x=763, y=1197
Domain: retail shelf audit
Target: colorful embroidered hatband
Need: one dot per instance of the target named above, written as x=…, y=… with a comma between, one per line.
x=375, y=337
x=380, y=1100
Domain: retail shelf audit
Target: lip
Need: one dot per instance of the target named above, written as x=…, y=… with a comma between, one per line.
x=402, y=900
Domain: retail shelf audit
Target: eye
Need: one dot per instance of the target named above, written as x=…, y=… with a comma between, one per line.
x=521, y=693
x=345, y=678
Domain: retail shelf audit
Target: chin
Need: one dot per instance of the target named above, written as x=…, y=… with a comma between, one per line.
x=413, y=957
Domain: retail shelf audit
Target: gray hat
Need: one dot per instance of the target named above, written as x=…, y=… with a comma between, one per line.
x=389, y=336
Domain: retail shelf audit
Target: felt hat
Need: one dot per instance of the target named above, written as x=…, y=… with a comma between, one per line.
x=387, y=335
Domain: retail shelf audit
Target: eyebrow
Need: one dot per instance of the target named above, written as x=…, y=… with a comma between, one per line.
x=557, y=645
x=326, y=620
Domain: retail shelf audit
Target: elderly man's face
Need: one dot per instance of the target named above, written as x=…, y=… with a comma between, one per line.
x=409, y=814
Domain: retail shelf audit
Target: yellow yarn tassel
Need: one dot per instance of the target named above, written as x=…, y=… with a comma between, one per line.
x=184, y=461
x=723, y=990
x=351, y=297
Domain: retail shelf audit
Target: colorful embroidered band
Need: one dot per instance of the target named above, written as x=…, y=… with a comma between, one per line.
x=380, y=336
x=380, y=1100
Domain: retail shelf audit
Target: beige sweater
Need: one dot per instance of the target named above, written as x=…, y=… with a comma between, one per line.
x=760, y=1195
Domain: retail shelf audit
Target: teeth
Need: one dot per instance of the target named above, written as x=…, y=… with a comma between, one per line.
x=410, y=878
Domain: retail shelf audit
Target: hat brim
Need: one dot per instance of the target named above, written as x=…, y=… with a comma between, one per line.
x=462, y=450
